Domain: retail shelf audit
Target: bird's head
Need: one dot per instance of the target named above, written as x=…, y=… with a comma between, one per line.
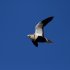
x=30, y=36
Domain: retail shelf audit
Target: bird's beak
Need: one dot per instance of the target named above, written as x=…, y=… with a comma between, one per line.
x=27, y=35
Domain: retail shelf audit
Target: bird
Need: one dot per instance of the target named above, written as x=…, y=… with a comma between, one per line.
x=38, y=35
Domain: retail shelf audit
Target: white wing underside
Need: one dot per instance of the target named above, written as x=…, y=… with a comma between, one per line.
x=39, y=30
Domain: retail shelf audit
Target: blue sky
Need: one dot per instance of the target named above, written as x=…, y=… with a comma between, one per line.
x=18, y=18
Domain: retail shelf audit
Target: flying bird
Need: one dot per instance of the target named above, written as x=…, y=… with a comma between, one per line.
x=38, y=36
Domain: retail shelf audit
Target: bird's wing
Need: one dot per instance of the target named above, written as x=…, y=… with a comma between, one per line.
x=35, y=43
x=39, y=27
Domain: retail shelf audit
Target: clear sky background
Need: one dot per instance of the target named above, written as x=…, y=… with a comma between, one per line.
x=18, y=18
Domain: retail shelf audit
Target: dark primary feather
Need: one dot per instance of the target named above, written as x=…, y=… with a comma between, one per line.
x=35, y=43
x=46, y=21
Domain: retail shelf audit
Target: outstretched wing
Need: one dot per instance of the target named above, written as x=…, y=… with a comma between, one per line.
x=39, y=27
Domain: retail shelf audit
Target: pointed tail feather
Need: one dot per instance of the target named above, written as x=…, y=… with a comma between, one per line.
x=49, y=41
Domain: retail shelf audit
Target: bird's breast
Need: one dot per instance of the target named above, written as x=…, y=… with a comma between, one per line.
x=35, y=37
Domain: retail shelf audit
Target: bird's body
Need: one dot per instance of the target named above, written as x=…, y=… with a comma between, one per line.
x=38, y=36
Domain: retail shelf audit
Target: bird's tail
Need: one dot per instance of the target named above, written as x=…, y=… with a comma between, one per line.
x=48, y=41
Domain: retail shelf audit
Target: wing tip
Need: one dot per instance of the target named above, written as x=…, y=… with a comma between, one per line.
x=51, y=17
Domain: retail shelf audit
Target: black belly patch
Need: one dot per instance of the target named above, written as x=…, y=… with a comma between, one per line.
x=41, y=39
